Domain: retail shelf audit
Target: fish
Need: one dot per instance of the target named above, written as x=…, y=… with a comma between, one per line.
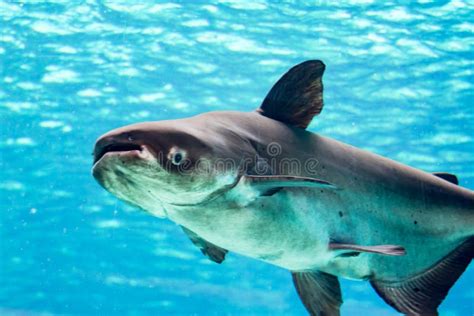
x=262, y=185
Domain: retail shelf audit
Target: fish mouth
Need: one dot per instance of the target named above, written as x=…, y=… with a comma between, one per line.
x=116, y=148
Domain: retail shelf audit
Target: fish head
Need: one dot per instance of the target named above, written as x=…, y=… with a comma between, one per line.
x=155, y=164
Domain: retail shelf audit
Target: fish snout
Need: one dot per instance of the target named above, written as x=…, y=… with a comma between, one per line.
x=128, y=143
x=114, y=144
x=118, y=156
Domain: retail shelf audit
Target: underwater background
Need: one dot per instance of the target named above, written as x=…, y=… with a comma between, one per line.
x=399, y=82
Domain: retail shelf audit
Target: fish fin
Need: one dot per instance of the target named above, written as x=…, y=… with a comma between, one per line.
x=297, y=96
x=423, y=293
x=268, y=184
x=320, y=292
x=389, y=250
x=447, y=176
x=213, y=252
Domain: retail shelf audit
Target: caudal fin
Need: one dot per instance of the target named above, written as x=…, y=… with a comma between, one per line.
x=422, y=294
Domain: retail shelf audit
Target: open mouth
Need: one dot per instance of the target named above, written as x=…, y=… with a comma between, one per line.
x=117, y=147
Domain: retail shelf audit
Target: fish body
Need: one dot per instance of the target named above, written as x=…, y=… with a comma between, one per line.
x=261, y=185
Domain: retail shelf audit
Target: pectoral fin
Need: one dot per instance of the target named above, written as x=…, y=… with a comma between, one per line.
x=269, y=184
x=320, y=292
x=213, y=252
x=389, y=250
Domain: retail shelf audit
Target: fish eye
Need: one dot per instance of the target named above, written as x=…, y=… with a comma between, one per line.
x=176, y=157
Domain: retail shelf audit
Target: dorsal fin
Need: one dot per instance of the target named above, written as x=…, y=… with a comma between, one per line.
x=447, y=176
x=298, y=96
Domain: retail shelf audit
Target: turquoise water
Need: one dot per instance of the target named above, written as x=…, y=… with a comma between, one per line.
x=399, y=82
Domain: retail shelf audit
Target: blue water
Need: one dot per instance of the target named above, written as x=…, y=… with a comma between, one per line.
x=399, y=82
